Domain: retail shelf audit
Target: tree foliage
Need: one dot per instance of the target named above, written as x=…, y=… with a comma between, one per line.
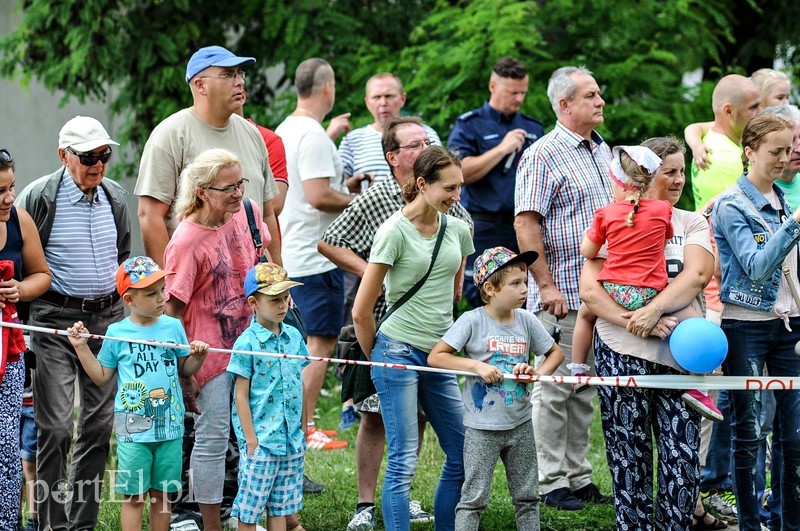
x=132, y=53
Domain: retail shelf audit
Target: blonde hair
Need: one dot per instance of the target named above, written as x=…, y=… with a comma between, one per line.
x=201, y=173
x=638, y=176
x=498, y=279
x=766, y=78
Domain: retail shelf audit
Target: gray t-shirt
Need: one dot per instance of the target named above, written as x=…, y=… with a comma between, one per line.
x=505, y=405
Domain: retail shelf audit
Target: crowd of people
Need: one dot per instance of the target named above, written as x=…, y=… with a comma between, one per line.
x=571, y=254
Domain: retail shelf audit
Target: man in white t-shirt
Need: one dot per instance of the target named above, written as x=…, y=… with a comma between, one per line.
x=216, y=79
x=317, y=193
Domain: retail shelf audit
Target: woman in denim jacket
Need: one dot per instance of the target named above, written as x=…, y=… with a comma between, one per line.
x=757, y=236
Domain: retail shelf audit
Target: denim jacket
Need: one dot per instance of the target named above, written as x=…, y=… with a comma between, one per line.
x=750, y=256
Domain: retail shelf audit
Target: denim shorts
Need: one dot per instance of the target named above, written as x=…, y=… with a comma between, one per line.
x=321, y=302
x=149, y=465
x=27, y=435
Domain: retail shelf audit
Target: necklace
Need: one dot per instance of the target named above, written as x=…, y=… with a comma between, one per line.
x=307, y=113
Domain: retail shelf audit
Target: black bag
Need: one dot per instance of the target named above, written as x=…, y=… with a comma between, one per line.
x=356, y=379
x=293, y=316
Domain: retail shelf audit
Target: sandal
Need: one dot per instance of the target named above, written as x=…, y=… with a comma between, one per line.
x=699, y=522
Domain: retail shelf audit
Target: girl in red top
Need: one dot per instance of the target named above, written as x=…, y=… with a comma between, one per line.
x=635, y=230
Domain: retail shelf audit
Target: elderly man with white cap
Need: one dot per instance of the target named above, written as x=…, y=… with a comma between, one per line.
x=84, y=226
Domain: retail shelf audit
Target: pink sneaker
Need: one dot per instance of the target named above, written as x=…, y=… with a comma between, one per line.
x=702, y=403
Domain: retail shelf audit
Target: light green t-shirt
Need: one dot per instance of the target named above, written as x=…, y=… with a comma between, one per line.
x=424, y=319
x=726, y=167
x=791, y=191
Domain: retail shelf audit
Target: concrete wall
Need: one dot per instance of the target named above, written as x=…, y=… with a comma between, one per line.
x=30, y=120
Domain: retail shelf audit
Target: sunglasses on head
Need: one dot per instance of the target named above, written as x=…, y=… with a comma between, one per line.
x=90, y=159
x=5, y=156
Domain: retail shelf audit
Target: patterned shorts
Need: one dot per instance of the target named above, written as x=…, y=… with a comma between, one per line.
x=632, y=297
x=271, y=483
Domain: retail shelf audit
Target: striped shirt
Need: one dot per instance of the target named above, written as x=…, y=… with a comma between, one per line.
x=82, y=249
x=361, y=151
x=563, y=177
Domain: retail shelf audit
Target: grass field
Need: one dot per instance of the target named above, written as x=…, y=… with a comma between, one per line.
x=331, y=510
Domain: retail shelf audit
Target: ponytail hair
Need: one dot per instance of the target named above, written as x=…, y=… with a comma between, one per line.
x=429, y=166
x=639, y=177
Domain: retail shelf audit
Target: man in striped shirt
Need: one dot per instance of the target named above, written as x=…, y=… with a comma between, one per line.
x=561, y=180
x=84, y=226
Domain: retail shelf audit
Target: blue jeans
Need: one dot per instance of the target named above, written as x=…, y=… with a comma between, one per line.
x=751, y=346
x=400, y=391
x=716, y=474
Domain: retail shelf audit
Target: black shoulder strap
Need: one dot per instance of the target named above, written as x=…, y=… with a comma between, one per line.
x=410, y=293
x=254, y=232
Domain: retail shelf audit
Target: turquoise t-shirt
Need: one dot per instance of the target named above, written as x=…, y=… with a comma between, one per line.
x=791, y=190
x=423, y=320
x=148, y=406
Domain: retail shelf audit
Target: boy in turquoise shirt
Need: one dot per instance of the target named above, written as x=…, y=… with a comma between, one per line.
x=148, y=407
x=268, y=410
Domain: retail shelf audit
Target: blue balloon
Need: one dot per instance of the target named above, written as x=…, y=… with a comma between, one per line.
x=698, y=345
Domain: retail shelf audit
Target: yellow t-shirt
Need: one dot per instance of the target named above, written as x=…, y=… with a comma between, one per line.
x=725, y=168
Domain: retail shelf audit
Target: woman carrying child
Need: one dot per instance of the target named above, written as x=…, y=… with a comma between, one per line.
x=636, y=229
x=498, y=338
x=638, y=421
x=401, y=252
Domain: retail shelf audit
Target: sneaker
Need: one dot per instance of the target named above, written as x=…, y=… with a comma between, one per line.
x=418, y=516
x=184, y=525
x=317, y=440
x=702, y=403
x=232, y=524
x=312, y=487
x=720, y=502
x=348, y=418
x=591, y=494
x=363, y=520
x=563, y=499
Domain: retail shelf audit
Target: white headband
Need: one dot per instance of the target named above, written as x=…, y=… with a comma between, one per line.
x=641, y=155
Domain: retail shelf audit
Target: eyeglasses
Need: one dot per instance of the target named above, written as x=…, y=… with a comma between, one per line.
x=230, y=76
x=416, y=146
x=230, y=188
x=90, y=159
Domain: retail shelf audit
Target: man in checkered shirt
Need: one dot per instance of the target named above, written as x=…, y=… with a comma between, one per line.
x=347, y=243
x=561, y=180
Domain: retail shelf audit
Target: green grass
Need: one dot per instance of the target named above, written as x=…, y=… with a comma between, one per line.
x=332, y=510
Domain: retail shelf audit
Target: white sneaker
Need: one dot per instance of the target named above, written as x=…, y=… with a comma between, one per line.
x=185, y=525
x=363, y=520
x=232, y=523
x=418, y=516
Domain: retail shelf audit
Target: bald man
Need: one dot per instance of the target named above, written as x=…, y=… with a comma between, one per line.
x=735, y=101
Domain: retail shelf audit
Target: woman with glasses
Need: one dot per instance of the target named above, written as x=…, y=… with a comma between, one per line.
x=400, y=255
x=20, y=251
x=210, y=253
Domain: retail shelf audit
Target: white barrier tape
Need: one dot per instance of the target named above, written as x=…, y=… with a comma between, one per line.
x=663, y=381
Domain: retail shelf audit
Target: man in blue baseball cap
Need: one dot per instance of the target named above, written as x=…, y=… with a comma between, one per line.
x=216, y=78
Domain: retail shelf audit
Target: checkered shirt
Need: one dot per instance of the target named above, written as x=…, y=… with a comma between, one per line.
x=355, y=228
x=563, y=177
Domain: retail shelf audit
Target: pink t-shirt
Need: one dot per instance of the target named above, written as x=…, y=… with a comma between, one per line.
x=210, y=265
x=635, y=254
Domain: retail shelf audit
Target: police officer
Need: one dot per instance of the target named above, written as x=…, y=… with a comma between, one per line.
x=491, y=140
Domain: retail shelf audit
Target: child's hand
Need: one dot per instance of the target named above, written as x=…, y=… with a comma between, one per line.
x=523, y=368
x=74, y=332
x=489, y=373
x=198, y=349
x=251, y=447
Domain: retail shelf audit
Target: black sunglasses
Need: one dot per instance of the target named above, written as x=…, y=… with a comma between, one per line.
x=6, y=156
x=90, y=159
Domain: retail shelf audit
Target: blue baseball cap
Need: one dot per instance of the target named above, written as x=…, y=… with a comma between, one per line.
x=214, y=56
